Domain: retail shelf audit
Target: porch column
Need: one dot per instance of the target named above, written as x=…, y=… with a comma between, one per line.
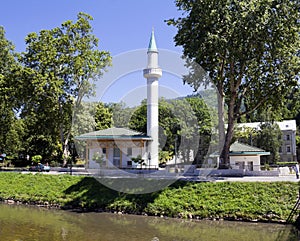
x=87, y=154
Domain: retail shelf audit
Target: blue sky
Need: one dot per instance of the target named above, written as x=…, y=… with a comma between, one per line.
x=120, y=25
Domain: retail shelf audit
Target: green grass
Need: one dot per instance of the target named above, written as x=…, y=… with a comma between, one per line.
x=234, y=200
x=260, y=201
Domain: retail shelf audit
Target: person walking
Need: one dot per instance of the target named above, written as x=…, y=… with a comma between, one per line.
x=297, y=170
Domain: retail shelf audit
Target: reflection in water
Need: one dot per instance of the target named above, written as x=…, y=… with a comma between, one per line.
x=28, y=223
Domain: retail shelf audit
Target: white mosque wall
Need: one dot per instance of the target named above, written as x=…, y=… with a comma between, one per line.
x=250, y=163
x=116, y=159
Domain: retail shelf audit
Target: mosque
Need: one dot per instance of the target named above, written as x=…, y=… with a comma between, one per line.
x=124, y=148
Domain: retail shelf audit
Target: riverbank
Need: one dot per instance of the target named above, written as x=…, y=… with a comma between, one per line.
x=244, y=201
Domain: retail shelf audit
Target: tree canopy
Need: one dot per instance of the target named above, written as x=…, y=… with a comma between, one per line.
x=41, y=89
x=250, y=49
x=11, y=130
x=267, y=136
x=103, y=117
x=184, y=127
x=60, y=67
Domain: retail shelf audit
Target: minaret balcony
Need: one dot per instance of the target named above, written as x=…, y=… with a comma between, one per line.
x=152, y=73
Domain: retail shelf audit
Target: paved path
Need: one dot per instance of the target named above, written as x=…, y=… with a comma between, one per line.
x=288, y=178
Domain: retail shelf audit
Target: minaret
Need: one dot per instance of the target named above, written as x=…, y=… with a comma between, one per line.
x=152, y=73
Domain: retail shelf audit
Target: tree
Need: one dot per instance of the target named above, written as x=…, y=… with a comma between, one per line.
x=267, y=136
x=291, y=109
x=11, y=130
x=121, y=113
x=168, y=129
x=184, y=125
x=249, y=49
x=270, y=139
x=204, y=128
x=247, y=135
x=85, y=122
x=14, y=139
x=167, y=126
x=60, y=66
x=138, y=120
x=103, y=117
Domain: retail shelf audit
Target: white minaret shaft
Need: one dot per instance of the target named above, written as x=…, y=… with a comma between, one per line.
x=152, y=73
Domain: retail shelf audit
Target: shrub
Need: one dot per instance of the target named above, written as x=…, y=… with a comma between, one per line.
x=37, y=158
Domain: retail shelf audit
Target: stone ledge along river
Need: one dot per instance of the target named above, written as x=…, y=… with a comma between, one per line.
x=23, y=223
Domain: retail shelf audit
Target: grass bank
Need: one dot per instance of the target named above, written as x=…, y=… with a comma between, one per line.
x=259, y=201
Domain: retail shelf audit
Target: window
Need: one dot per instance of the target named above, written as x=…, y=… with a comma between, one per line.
x=129, y=151
x=280, y=149
x=288, y=149
x=116, y=157
x=104, y=150
x=287, y=137
x=117, y=152
x=129, y=163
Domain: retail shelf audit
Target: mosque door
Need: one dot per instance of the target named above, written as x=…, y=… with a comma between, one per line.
x=116, y=157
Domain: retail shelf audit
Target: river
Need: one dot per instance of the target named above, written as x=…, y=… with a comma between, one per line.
x=22, y=223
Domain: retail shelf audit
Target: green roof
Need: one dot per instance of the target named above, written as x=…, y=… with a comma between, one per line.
x=112, y=134
x=238, y=148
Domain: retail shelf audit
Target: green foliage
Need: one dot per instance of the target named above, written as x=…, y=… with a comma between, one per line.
x=250, y=49
x=270, y=139
x=11, y=130
x=98, y=158
x=60, y=67
x=138, y=159
x=167, y=124
x=121, y=114
x=184, y=125
x=11, y=135
x=103, y=117
x=291, y=109
x=42, y=88
x=204, y=125
x=165, y=156
x=245, y=134
x=138, y=120
x=37, y=159
x=84, y=123
x=267, y=137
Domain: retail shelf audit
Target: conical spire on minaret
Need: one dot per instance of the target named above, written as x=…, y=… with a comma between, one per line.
x=152, y=65
x=152, y=44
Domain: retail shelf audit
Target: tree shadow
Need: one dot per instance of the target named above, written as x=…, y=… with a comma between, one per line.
x=92, y=194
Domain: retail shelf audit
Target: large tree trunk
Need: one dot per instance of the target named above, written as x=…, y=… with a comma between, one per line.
x=224, y=157
x=66, y=139
x=221, y=122
x=225, y=162
x=62, y=138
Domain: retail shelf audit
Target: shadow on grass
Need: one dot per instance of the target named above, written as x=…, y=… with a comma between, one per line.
x=89, y=194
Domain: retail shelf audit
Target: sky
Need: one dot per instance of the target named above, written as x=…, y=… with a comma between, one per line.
x=122, y=26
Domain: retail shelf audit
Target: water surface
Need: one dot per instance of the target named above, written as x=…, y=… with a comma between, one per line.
x=21, y=223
